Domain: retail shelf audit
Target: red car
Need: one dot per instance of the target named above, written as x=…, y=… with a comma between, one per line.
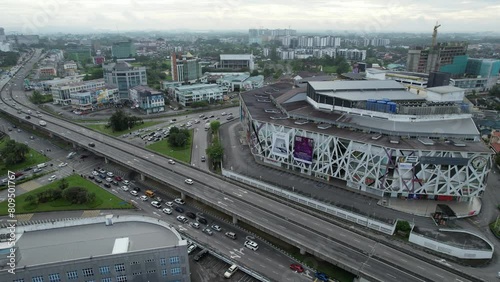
x=296, y=267
x=118, y=178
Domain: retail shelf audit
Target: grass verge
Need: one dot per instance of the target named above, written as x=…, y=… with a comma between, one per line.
x=182, y=154
x=104, y=199
x=32, y=158
x=102, y=128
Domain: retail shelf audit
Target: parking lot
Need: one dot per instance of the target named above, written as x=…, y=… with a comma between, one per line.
x=211, y=269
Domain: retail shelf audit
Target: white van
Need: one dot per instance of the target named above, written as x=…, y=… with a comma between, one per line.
x=70, y=155
x=252, y=245
x=42, y=165
x=231, y=271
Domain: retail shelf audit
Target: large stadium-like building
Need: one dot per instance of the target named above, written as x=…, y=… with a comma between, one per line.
x=375, y=135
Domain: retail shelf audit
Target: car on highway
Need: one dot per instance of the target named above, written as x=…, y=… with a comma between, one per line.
x=84, y=156
x=208, y=231
x=102, y=171
x=203, y=158
x=321, y=276
x=159, y=200
x=182, y=219
x=223, y=114
x=251, y=245
x=91, y=144
x=195, y=225
x=28, y=117
x=52, y=178
x=232, y=270
x=63, y=164
x=179, y=209
x=202, y=220
x=137, y=189
x=192, y=248
x=200, y=254
x=191, y=215
x=95, y=173
x=110, y=174
x=179, y=201
x=36, y=169
x=126, y=182
x=115, y=183
x=134, y=193
x=107, y=185
x=167, y=211
x=229, y=117
x=171, y=161
x=296, y=267
x=125, y=188
x=102, y=176
x=156, y=204
x=169, y=204
x=144, y=198
x=231, y=235
x=109, y=179
x=97, y=180
x=189, y=181
x=118, y=178
x=216, y=227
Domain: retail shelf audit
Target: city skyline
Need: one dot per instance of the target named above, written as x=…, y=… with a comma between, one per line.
x=32, y=17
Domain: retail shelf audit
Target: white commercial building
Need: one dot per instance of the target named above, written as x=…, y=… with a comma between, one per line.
x=237, y=61
x=188, y=94
x=147, y=99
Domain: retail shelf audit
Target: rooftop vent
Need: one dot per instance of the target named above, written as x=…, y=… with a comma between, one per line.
x=426, y=141
x=394, y=140
x=278, y=117
x=324, y=126
x=301, y=122
x=273, y=111
x=377, y=137
x=264, y=100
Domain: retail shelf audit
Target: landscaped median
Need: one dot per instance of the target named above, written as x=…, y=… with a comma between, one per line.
x=53, y=197
x=182, y=154
x=107, y=130
x=32, y=158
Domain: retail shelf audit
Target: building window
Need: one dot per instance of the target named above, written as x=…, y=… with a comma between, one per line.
x=163, y=261
x=72, y=275
x=119, y=267
x=90, y=281
x=104, y=269
x=121, y=278
x=107, y=280
x=37, y=279
x=137, y=273
x=149, y=260
x=87, y=272
x=174, y=260
x=18, y=280
x=151, y=271
x=164, y=272
x=134, y=262
x=175, y=271
x=54, y=277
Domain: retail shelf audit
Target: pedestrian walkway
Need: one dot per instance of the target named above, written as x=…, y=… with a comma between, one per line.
x=427, y=207
x=91, y=213
x=24, y=217
x=28, y=186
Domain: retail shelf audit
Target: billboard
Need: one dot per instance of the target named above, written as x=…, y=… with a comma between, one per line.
x=280, y=144
x=303, y=149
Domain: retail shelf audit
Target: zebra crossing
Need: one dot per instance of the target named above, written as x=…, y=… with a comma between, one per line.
x=24, y=217
x=91, y=213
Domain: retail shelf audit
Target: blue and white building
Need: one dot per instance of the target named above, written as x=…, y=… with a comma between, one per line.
x=147, y=99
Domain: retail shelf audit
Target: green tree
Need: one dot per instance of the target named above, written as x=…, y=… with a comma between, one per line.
x=63, y=184
x=120, y=121
x=254, y=73
x=199, y=104
x=215, y=125
x=78, y=195
x=403, y=226
x=39, y=98
x=495, y=90
x=31, y=200
x=178, y=137
x=343, y=68
x=13, y=152
x=215, y=152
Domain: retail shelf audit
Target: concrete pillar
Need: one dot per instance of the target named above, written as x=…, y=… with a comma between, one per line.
x=183, y=196
x=106, y=161
x=143, y=177
x=235, y=220
x=74, y=145
x=34, y=127
x=302, y=251
x=51, y=135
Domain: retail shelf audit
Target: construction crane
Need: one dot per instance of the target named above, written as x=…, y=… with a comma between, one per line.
x=434, y=35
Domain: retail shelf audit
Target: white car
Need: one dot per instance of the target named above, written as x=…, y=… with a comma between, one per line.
x=109, y=179
x=216, y=228
x=231, y=271
x=126, y=182
x=169, y=204
x=195, y=225
x=63, y=164
x=167, y=211
x=95, y=173
x=182, y=219
x=179, y=201
x=110, y=174
x=171, y=161
x=192, y=248
x=223, y=114
x=125, y=188
x=52, y=178
x=133, y=193
x=189, y=181
x=156, y=204
x=144, y=197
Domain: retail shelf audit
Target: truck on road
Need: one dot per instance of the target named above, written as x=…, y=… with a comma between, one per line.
x=149, y=193
x=207, y=126
x=42, y=123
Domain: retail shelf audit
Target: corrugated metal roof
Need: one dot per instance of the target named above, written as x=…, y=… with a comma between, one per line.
x=344, y=85
x=445, y=89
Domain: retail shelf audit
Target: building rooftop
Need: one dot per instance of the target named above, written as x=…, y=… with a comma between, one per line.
x=144, y=88
x=377, y=95
x=347, y=85
x=195, y=86
x=79, y=82
x=236, y=56
x=445, y=89
x=91, y=240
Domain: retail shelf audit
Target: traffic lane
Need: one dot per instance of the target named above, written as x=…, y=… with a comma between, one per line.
x=265, y=260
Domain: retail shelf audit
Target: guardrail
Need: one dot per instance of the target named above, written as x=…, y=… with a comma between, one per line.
x=335, y=211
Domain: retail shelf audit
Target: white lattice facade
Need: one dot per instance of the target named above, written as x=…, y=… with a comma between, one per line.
x=380, y=170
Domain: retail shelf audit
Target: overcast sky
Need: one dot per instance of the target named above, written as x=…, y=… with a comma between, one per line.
x=40, y=16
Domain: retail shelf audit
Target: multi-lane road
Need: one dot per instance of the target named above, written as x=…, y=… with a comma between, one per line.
x=323, y=239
